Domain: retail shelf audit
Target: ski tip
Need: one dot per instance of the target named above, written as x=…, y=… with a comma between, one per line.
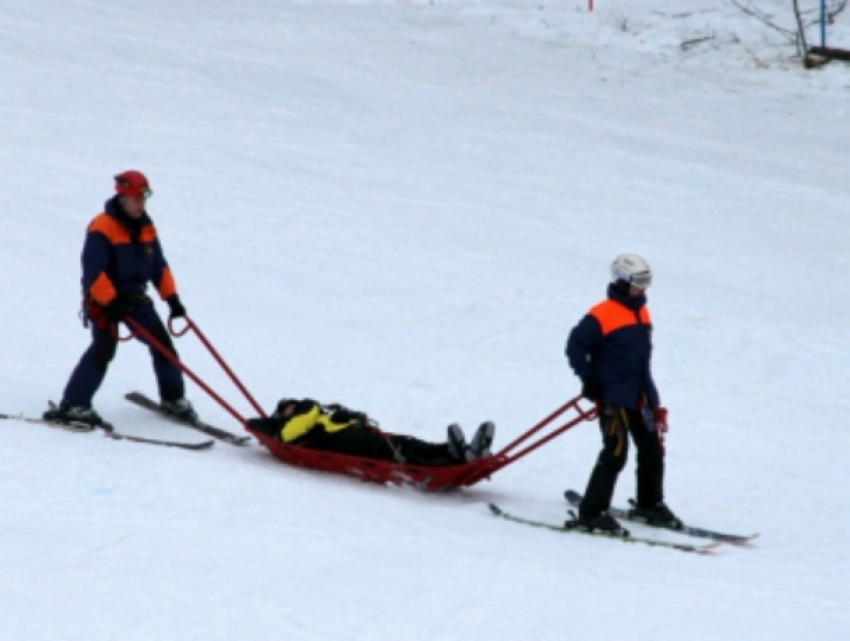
x=495, y=509
x=239, y=441
x=742, y=541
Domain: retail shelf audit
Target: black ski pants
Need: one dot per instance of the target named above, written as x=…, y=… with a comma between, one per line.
x=90, y=371
x=362, y=440
x=372, y=443
x=617, y=423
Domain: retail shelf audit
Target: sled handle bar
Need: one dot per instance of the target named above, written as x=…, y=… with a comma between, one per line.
x=485, y=467
x=115, y=329
x=190, y=324
x=145, y=335
x=583, y=415
x=174, y=332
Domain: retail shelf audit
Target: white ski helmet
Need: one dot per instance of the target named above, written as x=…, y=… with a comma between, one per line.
x=631, y=269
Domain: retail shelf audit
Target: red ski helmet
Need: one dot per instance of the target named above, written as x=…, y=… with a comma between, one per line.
x=133, y=183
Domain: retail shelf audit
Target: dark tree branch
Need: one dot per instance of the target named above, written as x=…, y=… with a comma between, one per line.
x=803, y=19
x=801, y=31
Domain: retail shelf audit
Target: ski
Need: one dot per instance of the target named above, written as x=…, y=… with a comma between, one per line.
x=119, y=436
x=704, y=549
x=574, y=498
x=71, y=427
x=108, y=430
x=223, y=435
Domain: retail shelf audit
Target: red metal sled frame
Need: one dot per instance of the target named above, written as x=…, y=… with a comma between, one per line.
x=423, y=477
x=420, y=476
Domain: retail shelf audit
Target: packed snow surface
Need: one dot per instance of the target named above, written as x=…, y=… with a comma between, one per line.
x=405, y=207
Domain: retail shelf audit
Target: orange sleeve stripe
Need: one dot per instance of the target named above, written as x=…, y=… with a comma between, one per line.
x=103, y=291
x=116, y=233
x=167, y=286
x=613, y=316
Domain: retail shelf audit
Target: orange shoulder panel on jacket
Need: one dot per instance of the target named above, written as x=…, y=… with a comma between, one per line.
x=167, y=286
x=114, y=231
x=612, y=316
x=148, y=234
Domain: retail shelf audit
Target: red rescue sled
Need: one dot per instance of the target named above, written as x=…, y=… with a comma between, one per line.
x=422, y=477
x=430, y=478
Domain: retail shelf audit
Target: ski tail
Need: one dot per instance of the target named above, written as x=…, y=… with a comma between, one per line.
x=109, y=430
x=217, y=433
x=695, y=548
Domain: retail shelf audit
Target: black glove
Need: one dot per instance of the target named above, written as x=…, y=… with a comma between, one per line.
x=119, y=308
x=590, y=389
x=176, y=307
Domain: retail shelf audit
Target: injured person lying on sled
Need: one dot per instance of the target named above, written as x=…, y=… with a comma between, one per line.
x=334, y=428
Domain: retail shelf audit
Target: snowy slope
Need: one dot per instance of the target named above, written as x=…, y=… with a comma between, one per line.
x=405, y=206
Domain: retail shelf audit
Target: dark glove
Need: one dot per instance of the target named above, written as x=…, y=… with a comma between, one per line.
x=119, y=308
x=590, y=389
x=176, y=307
x=660, y=417
x=661, y=427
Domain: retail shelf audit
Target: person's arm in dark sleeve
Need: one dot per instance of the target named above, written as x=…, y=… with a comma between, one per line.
x=582, y=342
x=95, y=261
x=163, y=279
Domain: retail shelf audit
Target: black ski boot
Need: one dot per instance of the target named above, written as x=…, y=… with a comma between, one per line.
x=481, y=442
x=73, y=415
x=180, y=409
x=602, y=523
x=456, y=443
x=658, y=515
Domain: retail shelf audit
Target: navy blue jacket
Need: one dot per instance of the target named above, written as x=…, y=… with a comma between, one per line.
x=613, y=345
x=121, y=256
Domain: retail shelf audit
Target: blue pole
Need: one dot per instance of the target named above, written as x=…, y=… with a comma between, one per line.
x=823, y=23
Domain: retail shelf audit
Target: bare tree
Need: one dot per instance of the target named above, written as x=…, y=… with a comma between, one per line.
x=804, y=19
x=802, y=46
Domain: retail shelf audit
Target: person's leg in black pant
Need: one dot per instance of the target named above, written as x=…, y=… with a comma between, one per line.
x=614, y=423
x=650, y=463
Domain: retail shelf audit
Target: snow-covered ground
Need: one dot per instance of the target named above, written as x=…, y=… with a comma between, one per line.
x=405, y=207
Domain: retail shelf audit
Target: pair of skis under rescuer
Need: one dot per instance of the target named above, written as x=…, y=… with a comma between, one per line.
x=609, y=350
